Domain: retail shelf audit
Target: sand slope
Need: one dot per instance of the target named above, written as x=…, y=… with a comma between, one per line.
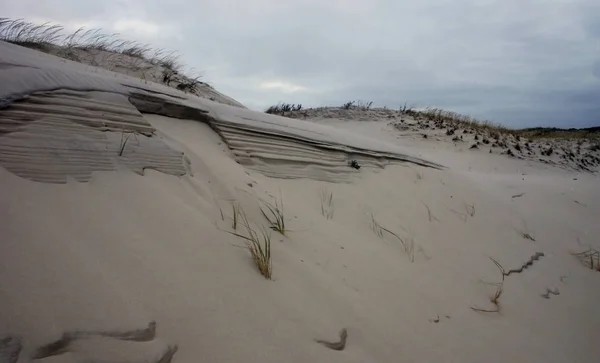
x=101, y=246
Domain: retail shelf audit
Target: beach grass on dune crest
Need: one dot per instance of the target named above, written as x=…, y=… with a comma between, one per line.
x=444, y=119
x=281, y=108
x=42, y=36
x=109, y=51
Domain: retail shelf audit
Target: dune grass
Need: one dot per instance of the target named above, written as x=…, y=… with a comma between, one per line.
x=376, y=227
x=454, y=119
x=357, y=105
x=45, y=36
x=589, y=258
x=235, y=208
x=124, y=140
x=408, y=244
x=327, y=206
x=85, y=46
x=499, y=286
x=274, y=215
x=495, y=299
x=526, y=235
x=281, y=108
x=430, y=215
x=258, y=242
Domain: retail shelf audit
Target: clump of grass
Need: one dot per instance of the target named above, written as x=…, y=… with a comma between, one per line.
x=430, y=215
x=526, y=235
x=524, y=231
x=589, y=258
x=275, y=215
x=354, y=164
x=168, y=76
x=347, y=105
x=376, y=227
x=455, y=120
x=407, y=243
x=235, y=208
x=363, y=106
x=282, y=107
x=124, y=140
x=189, y=85
x=469, y=211
x=53, y=39
x=258, y=243
x=167, y=59
x=327, y=207
x=495, y=299
x=18, y=31
x=358, y=105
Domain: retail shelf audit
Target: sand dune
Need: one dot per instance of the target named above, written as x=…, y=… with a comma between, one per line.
x=117, y=250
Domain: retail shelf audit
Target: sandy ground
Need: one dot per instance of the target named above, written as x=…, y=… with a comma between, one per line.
x=103, y=256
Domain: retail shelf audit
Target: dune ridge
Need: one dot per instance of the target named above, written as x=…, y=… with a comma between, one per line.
x=241, y=129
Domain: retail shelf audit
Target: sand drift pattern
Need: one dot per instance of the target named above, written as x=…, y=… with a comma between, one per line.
x=51, y=136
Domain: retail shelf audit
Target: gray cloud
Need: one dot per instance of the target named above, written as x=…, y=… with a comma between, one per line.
x=522, y=63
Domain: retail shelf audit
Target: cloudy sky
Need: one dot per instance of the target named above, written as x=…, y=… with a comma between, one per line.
x=517, y=62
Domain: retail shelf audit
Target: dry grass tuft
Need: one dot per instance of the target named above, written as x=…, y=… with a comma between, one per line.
x=430, y=215
x=259, y=244
x=495, y=299
x=275, y=215
x=124, y=140
x=589, y=258
x=83, y=45
x=282, y=108
x=235, y=208
x=526, y=235
x=407, y=243
x=454, y=120
x=327, y=206
x=524, y=232
x=44, y=36
x=376, y=227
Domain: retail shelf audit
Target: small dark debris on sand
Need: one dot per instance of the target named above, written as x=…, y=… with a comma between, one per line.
x=336, y=345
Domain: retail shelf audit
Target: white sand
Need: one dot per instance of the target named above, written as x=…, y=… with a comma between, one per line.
x=105, y=246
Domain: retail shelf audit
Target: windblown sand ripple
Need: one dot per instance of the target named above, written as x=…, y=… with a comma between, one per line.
x=50, y=136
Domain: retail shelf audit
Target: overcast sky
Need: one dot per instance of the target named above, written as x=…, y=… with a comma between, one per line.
x=517, y=62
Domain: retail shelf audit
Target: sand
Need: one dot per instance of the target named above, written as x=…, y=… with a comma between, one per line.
x=97, y=245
